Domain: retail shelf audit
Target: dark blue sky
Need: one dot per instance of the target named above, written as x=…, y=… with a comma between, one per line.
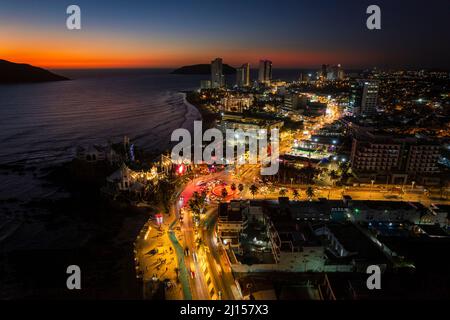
x=301, y=33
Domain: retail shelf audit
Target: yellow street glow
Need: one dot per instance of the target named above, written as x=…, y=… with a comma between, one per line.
x=147, y=233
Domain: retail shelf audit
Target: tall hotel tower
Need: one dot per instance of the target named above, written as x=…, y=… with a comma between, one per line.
x=217, y=78
x=265, y=72
x=243, y=75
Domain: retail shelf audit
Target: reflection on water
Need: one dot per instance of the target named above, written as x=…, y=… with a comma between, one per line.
x=42, y=123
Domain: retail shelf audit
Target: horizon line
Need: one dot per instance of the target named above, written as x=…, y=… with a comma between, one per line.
x=255, y=67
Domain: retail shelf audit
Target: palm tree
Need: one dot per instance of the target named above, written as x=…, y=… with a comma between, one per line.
x=198, y=202
x=295, y=194
x=333, y=176
x=240, y=187
x=310, y=192
x=224, y=193
x=307, y=174
x=344, y=167
x=253, y=190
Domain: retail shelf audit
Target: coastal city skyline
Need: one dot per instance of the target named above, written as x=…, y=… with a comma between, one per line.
x=294, y=34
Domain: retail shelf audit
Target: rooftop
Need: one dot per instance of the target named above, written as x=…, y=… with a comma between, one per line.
x=387, y=205
x=231, y=212
x=355, y=241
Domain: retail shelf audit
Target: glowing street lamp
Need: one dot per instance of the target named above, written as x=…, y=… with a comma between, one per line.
x=147, y=233
x=371, y=187
x=159, y=219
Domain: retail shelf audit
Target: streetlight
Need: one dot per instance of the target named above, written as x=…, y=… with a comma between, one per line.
x=412, y=184
x=425, y=194
x=371, y=188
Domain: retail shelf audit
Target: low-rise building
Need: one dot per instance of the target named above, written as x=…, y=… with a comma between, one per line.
x=205, y=84
x=236, y=103
x=235, y=122
x=231, y=223
x=317, y=236
x=125, y=179
x=97, y=153
x=122, y=178
x=347, y=244
x=386, y=211
x=438, y=214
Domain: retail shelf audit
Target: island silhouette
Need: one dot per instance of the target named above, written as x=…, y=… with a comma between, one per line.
x=11, y=72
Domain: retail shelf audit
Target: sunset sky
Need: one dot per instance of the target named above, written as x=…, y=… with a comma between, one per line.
x=168, y=33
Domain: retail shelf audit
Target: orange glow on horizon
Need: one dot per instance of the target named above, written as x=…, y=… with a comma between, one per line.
x=62, y=49
x=61, y=59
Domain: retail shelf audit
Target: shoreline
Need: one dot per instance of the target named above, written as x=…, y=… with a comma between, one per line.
x=208, y=118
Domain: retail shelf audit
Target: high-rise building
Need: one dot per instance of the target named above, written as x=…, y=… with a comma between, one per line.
x=243, y=75
x=304, y=77
x=217, y=78
x=335, y=73
x=294, y=101
x=265, y=72
x=340, y=74
x=396, y=158
x=363, y=97
x=323, y=72
x=332, y=73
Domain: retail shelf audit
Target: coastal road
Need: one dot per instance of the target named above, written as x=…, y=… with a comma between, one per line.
x=209, y=260
x=192, y=259
x=196, y=276
x=377, y=193
x=218, y=264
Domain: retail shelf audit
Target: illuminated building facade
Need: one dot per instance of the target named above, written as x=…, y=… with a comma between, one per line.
x=265, y=72
x=217, y=78
x=397, y=158
x=363, y=98
x=243, y=75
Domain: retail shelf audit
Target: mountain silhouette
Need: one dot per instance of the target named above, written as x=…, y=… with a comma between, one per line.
x=202, y=69
x=11, y=72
